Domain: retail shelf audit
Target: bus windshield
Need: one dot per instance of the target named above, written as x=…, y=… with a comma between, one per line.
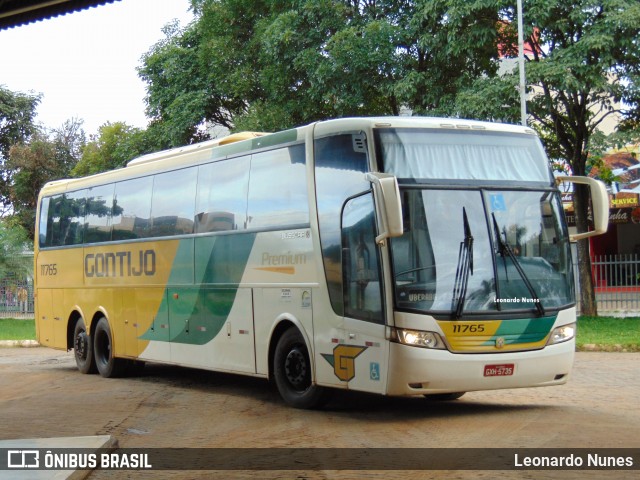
x=518, y=258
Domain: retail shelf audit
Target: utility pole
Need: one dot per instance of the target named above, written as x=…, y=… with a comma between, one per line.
x=523, y=97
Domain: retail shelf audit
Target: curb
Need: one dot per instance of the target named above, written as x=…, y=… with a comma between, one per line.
x=19, y=343
x=593, y=347
x=88, y=443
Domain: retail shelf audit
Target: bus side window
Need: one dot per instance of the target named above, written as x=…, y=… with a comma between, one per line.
x=221, y=202
x=361, y=263
x=55, y=220
x=173, y=203
x=132, y=208
x=43, y=229
x=278, y=188
x=340, y=167
x=98, y=214
x=72, y=222
x=62, y=219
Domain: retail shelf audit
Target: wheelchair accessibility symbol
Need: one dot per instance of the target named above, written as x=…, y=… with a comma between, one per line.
x=497, y=203
x=374, y=371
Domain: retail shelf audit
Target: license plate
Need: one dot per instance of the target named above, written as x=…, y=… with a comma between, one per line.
x=502, y=370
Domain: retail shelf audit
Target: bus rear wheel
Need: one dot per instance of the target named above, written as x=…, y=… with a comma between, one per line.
x=83, y=348
x=292, y=372
x=108, y=366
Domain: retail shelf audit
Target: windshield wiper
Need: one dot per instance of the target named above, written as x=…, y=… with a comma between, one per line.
x=504, y=247
x=464, y=268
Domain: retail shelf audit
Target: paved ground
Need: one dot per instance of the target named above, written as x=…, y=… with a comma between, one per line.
x=42, y=395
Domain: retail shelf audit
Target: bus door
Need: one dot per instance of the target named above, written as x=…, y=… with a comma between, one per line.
x=128, y=328
x=362, y=357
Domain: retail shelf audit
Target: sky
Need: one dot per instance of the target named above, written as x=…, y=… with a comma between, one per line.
x=84, y=64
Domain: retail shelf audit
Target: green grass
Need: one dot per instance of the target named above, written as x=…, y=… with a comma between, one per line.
x=14, y=329
x=608, y=333
x=594, y=333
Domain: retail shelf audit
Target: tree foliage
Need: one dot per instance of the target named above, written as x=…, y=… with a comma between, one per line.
x=46, y=156
x=17, y=113
x=270, y=65
x=177, y=102
x=583, y=69
x=114, y=145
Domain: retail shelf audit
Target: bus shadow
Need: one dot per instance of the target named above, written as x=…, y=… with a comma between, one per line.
x=362, y=406
x=354, y=405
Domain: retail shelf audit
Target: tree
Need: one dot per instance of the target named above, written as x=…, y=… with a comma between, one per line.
x=583, y=68
x=177, y=97
x=69, y=141
x=46, y=156
x=17, y=113
x=271, y=65
x=114, y=145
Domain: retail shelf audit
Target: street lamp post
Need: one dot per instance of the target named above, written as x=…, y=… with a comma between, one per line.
x=523, y=98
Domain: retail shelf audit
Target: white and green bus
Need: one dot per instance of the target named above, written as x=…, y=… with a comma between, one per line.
x=401, y=256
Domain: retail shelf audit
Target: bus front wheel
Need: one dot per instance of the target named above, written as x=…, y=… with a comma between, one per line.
x=108, y=366
x=292, y=372
x=83, y=348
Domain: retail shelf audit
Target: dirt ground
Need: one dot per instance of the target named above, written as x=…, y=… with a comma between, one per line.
x=43, y=395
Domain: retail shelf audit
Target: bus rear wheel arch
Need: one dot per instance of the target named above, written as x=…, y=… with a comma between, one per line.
x=292, y=371
x=107, y=364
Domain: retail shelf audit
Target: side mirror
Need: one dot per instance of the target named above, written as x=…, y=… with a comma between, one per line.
x=388, y=206
x=599, y=204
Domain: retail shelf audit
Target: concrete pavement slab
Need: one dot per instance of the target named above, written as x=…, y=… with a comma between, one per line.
x=93, y=442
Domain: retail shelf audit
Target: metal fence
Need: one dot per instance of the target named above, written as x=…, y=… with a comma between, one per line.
x=617, y=282
x=16, y=298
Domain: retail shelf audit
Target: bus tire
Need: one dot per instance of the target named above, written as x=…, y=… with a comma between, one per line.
x=443, y=397
x=108, y=366
x=292, y=373
x=83, y=348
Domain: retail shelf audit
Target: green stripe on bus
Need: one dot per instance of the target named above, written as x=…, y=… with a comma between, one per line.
x=196, y=314
x=526, y=330
x=270, y=140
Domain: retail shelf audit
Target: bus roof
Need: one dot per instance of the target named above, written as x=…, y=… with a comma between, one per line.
x=420, y=122
x=235, y=137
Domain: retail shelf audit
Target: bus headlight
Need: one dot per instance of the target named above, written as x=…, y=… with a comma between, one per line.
x=562, y=334
x=417, y=338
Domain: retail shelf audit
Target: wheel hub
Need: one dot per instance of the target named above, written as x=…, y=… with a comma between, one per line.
x=80, y=345
x=295, y=367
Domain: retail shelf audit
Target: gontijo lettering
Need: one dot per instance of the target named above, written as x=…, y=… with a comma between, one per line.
x=120, y=264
